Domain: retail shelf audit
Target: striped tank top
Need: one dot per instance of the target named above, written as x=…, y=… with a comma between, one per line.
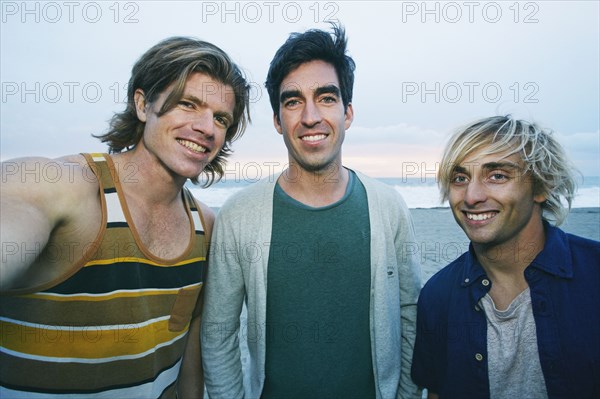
x=115, y=328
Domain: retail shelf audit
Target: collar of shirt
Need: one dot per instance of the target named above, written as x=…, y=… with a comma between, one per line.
x=555, y=258
x=551, y=260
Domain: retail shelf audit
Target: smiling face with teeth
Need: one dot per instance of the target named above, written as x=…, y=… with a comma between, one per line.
x=312, y=118
x=189, y=136
x=493, y=200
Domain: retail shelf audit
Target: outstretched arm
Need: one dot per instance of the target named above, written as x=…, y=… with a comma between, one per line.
x=41, y=201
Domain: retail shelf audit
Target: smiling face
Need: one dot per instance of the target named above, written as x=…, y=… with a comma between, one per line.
x=190, y=135
x=311, y=118
x=493, y=200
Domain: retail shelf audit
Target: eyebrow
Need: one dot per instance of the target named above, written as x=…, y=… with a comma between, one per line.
x=194, y=99
x=501, y=165
x=289, y=94
x=460, y=169
x=327, y=89
x=486, y=166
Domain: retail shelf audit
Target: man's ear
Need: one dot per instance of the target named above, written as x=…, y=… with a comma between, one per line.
x=539, y=198
x=140, y=104
x=539, y=193
x=349, y=116
x=277, y=123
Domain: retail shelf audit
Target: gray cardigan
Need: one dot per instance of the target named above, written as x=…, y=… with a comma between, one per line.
x=238, y=272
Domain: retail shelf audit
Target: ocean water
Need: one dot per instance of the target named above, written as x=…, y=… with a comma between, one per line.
x=416, y=192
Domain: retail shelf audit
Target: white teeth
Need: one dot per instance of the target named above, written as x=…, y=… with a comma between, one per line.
x=192, y=146
x=315, y=137
x=480, y=216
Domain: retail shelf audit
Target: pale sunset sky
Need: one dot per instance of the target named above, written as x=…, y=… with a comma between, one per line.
x=423, y=69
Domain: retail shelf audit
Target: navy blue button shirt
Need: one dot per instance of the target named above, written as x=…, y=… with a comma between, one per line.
x=450, y=356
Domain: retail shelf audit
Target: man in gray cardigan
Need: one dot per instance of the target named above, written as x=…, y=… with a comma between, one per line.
x=318, y=254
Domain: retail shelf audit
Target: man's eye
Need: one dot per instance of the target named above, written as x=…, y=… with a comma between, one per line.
x=291, y=103
x=498, y=177
x=186, y=104
x=329, y=99
x=222, y=121
x=459, y=179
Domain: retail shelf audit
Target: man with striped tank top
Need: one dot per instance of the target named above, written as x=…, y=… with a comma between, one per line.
x=103, y=267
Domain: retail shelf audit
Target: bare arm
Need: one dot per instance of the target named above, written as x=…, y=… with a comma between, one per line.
x=24, y=232
x=191, y=377
x=40, y=201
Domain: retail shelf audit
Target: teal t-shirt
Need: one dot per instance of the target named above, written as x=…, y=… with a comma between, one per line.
x=318, y=290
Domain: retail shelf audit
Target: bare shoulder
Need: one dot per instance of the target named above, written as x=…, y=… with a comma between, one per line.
x=50, y=199
x=46, y=202
x=39, y=170
x=55, y=183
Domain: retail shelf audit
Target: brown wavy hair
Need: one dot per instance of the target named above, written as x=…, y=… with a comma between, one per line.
x=171, y=62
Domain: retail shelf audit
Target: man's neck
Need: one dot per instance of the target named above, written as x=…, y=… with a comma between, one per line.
x=505, y=263
x=516, y=253
x=315, y=189
x=146, y=180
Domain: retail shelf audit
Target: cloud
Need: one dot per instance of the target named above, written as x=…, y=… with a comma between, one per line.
x=402, y=132
x=542, y=55
x=585, y=142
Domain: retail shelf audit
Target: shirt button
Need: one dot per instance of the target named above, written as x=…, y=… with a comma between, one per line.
x=479, y=357
x=485, y=282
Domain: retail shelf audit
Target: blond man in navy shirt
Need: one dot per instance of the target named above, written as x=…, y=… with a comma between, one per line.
x=517, y=315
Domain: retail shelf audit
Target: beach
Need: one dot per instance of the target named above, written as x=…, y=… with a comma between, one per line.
x=439, y=240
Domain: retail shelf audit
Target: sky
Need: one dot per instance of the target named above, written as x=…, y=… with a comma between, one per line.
x=423, y=70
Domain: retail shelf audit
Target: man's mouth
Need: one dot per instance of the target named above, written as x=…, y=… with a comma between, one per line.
x=480, y=216
x=192, y=146
x=313, y=137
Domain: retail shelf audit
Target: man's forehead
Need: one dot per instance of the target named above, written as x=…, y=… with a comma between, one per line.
x=485, y=156
x=206, y=83
x=312, y=75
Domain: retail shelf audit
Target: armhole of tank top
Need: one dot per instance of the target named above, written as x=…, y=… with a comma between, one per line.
x=190, y=200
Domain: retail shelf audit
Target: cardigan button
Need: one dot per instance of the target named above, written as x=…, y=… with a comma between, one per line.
x=485, y=282
x=478, y=357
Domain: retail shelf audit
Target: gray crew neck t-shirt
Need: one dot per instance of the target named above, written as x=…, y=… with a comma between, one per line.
x=514, y=368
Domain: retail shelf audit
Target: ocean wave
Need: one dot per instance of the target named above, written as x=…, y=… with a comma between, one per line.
x=415, y=195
